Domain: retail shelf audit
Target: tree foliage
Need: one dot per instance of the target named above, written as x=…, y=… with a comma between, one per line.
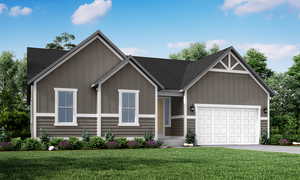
x=62, y=42
x=258, y=61
x=194, y=52
x=14, y=115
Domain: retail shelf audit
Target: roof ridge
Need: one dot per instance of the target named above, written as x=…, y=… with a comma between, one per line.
x=48, y=49
x=178, y=60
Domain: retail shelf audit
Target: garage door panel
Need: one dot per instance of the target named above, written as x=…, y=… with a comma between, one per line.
x=217, y=125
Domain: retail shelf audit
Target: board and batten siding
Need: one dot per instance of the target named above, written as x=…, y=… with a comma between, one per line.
x=79, y=72
x=127, y=78
x=111, y=124
x=46, y=123
x=226, y=88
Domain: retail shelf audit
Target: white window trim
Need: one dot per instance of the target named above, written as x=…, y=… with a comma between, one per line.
x=136, y=120
x=74, y=122
x=170, y=119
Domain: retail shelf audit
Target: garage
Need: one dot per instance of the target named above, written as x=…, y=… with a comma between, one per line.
x=227, y=124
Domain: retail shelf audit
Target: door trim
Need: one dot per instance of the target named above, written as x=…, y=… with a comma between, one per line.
x=230, y=107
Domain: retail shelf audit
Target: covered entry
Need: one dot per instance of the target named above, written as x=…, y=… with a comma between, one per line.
x=227, y=124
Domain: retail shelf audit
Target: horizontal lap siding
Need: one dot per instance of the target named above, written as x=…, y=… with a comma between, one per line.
x=146, y=125
x=47, y=124
x=176, y=128
x=264, y=125
x=191, y=125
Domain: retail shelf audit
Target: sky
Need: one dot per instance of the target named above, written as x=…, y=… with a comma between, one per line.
x=157, y=28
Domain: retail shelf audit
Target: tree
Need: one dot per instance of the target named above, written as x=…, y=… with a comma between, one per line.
x=258, y=61
x=62, y=42
x=282, y=102
x=194, y=52
x=294, y=72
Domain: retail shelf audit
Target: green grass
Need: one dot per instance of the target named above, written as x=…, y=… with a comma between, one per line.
x=188, y=163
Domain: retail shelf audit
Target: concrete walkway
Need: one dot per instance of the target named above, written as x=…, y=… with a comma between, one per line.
x=267, y=148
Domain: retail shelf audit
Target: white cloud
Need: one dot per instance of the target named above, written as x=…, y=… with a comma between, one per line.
x=242, y=7
x=2, y=7
x=274, y=51
x=88, y=13
x=17, y=10
x=179, y=45
x=134, y=51
x=220, y=42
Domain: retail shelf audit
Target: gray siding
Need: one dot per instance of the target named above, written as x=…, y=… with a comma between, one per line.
x=191, y=125
x=264, y=125
x=127, y=78
x=176, y=128
x=47, y=124
x=146, y=125
x=79, y=72
x=227, y=88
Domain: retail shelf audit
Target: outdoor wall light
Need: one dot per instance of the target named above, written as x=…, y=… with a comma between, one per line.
x=192, y=108
x=265, y=110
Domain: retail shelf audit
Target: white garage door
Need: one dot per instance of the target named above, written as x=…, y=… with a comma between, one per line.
x=227, y=124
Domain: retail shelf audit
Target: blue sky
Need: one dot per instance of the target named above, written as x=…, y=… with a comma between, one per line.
x=158, y=28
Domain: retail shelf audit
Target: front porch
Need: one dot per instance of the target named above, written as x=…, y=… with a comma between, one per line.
x=170, y=120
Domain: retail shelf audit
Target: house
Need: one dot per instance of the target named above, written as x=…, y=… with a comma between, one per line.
x=96, y=87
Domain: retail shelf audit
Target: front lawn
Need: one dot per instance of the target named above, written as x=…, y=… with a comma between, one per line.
x=188, y=163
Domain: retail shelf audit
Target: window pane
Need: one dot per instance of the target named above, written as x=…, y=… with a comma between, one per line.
x=61, y=115
x=69, y=115
x=124, y=115
x=131, y=100
x=69, y=99
x=124, y=99
x=167, y=111
x=131, y=115
x=61, y=99
x=65, y=99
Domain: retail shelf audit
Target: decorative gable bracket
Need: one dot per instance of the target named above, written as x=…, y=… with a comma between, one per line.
x=229, y=64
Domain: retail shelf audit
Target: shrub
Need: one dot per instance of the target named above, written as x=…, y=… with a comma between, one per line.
x=109, y=136
x=85, y=145
x=75, y=143
x=64, y=145
x=30, y=144
x=190, y=137
x=4, y=137
x=133, y=144
x=275, y=130
x=141, y=141
x=152, y=144
x=85, y=135
x=45, y=138
x=96, y=142
x=264, y=137
x=112, y=145
x=284, y=142
x=291, y=138
x=148, y=136
x=55, y=141
x=17, y=143
x=122, y=142
x=6, y=146
x=275, y=139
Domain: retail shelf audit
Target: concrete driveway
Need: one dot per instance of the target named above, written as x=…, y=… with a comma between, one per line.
x=267, y=148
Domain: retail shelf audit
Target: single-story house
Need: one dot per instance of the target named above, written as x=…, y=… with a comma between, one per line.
x=97, y=88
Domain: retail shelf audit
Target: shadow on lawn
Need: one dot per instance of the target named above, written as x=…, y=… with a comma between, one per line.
x=14, y=168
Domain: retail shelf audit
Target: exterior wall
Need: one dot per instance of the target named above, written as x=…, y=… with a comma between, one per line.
x=82, y=70
x=146, y=125
x=79, y=72
x=227, y=88
x=127, y=78
x=46, y=123
x=176, y=128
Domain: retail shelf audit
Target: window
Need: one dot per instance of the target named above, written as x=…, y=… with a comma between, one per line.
x=128, y=107
x=167, y=112
x=65, y=107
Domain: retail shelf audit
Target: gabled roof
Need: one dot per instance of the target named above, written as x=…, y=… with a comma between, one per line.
x=56, y=62
x=167, y=74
